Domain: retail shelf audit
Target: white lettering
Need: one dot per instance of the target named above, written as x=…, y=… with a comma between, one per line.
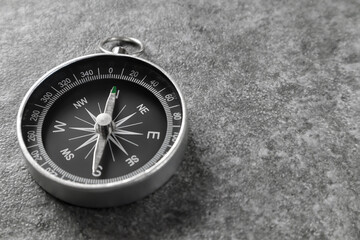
x=80, y=103
x=153, y=135
x=97, y=173
x=132, y=160
x=67, y=154
x=142, y=109
x=59, y=127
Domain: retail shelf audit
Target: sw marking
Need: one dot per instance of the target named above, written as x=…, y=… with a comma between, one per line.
x=67, y=154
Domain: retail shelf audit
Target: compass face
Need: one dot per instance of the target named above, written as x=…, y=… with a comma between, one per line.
x=61, y=116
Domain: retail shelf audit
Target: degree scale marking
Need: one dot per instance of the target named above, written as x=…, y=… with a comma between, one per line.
x=128, y=78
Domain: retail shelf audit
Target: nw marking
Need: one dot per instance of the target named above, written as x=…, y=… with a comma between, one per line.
x=80, y=103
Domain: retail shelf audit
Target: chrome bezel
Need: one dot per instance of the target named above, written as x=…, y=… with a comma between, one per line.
x=114, y=193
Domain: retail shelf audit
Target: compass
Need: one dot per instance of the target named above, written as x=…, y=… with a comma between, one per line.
x=104, y=129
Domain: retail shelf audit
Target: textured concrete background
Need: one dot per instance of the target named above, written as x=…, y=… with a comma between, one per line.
x=273, y=93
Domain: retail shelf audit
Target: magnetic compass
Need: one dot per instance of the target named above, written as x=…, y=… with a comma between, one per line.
x=104, y=129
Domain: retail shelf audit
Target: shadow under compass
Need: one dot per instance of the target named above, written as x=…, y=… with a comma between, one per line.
x=174, y=208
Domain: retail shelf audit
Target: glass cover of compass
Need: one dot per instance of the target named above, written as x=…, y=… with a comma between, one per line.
x=103, y=130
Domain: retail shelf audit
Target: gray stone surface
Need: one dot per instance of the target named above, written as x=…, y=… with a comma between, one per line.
x=273, y=93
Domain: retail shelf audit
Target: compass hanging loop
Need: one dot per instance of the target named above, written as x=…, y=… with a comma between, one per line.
x=119, y=45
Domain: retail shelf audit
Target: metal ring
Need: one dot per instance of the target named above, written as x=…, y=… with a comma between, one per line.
x=118, y=49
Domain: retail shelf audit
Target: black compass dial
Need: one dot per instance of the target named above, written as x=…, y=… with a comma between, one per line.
x=140, y=128
x=101, y=118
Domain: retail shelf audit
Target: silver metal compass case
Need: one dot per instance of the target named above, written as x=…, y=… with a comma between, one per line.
x=112, y=193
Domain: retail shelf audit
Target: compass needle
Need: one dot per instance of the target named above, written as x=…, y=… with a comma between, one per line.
x=104, y=129
x=110, y=103
x=104, y=125
x=99, y=151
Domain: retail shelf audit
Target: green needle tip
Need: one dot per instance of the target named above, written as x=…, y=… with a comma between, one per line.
x=113, y=89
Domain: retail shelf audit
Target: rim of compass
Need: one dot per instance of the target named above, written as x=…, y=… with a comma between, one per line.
x=124, y=180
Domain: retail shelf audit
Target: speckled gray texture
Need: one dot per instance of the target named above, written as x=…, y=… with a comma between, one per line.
x=273, y=96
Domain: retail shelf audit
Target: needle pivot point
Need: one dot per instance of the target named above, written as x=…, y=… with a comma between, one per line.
x=103, y=119
x=104, y=124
